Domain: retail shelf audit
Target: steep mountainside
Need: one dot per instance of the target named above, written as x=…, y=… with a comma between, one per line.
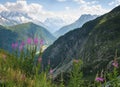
x=77, y=24
x=94, y=43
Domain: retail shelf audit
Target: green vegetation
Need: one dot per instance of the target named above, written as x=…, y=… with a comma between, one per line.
x=26, y=70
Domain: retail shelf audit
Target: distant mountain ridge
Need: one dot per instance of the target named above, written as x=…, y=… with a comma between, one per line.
x=10, y=18
x=77, y=24
x=94, y=43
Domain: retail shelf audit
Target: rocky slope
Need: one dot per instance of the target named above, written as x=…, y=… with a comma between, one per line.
x=94, y=43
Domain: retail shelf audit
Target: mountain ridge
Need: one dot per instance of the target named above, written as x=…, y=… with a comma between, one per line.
x=77, y=24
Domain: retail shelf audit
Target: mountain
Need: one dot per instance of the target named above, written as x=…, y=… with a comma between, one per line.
x=77, y=24
x=94, y=43
x=9, y=18
x=7, y=22
x=32, y=30
x=19, y=17
x=11, y=34
x=7, y=37
x=54, y=23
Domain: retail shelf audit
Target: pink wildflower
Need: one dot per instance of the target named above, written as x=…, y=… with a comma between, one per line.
x=39, y=59
x=36, y=41
x=29, y=41
x=51, y=71
x=99, y=79
x=21, y=47
x=115, y=64
x=14, y=45
x=41, y=42
x=23, y=43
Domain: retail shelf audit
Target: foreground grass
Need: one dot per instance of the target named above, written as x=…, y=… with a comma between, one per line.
x=23, y=68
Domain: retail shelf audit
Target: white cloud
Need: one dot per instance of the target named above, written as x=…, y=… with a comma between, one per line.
x=94, y=9
x=2, y=7
x=67, y=8
x=61, y=0
x=37, y=11
x=114, y=2
x=80, y=1
x=111, y=3
x=94, y=2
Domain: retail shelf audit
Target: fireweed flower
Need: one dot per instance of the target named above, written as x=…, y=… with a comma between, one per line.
x=14, y=45
x=115, y=63
x=22, y=43
x=36, y=41
x=21, y=47
x=99, y=79
x=51, y=71
x=39, y=59
x=41, y=42
x=29, y=41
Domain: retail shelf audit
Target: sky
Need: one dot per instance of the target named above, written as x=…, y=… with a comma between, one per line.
x=68, y=10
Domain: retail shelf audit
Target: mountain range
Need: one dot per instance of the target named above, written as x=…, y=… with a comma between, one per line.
x=94, y=43
x=10, y=18
x=77, y=24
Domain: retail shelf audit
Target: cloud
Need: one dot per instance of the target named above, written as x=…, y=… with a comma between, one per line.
x=111, y=3
x=2, y=7
x=85, y=2
x=80, y=1
x=67, y=8
x=94, y=9
x=61, y=0
x=114, y=2
x=37, y=11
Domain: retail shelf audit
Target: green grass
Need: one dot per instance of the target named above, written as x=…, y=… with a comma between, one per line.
x=24, y=70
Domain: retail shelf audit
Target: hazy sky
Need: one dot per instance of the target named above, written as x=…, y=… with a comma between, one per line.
x=68, y=10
